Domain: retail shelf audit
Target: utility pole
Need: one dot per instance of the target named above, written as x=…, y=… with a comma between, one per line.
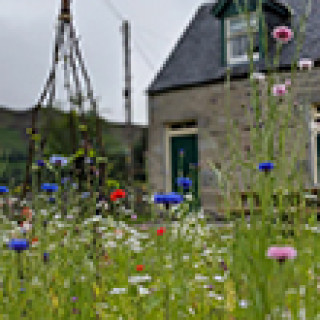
x=128, y=106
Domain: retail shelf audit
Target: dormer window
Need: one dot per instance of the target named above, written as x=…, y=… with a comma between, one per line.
x=238, y=38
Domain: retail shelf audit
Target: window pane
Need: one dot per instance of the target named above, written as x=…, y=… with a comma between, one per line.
x=240, y=24
x=239, y=46
x=237, y=25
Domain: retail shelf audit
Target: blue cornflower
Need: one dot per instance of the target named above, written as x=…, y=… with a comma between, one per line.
x=40, y=163
x=169, y=198
x=85, y=195
x=51, y=187
x=266, y=166
x=18, y=244
x=58, y=160
x=4, y=189
x=45, y=256
x=65, y=180
x=186, y=183
x=52, y=200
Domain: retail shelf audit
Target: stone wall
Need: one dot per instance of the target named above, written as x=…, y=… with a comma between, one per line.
x=208, y=105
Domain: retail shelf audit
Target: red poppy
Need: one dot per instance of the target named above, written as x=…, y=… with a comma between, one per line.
x=34, y=240
x=113, y=197
x=117, y=194
x=26, y=211
x=161, y=231
x=140, y=267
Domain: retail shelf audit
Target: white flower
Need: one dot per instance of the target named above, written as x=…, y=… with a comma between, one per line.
x=96, y=218
x=44, y=212
x=35, y=281
x=118, y=291
x=200, y=277
x=219, y=278
x=66, y=283
x=216, y=296
x=191, y=311
x=111, y=244
x=51, y=247
x=243, y=304
x=189, y=196
x=139, y=279
x=144, y=291
x=57, y=216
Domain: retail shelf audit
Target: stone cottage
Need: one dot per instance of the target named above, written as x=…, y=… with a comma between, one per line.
x=187, y=99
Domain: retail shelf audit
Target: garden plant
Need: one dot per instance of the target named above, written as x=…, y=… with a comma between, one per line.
x=82, y=254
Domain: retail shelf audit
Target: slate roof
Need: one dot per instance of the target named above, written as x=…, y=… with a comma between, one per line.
x=196, y=58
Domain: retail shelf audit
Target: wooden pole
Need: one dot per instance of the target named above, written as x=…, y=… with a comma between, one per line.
x=128, y=104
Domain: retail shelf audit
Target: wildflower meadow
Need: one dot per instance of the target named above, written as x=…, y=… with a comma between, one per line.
x=74, y=253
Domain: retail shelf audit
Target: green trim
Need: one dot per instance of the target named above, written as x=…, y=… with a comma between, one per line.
x=221, y=6
x=286, y=12
x=218, y=8
x=223, y=43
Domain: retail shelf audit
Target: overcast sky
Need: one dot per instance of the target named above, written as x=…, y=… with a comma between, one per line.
x=27, y=32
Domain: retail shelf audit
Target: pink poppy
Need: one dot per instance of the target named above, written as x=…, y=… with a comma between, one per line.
x=281, y=253
x=279, y=90
x=305, y=64
x=282, y=34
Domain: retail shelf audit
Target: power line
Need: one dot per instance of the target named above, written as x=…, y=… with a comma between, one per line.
x=116, y=13
x=143, y=55
x=120, y=17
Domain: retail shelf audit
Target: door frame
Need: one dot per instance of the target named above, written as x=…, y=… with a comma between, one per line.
x=170, y=132
x=315, y=131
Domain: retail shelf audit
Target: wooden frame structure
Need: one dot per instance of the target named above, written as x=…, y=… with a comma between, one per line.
x=67, y=47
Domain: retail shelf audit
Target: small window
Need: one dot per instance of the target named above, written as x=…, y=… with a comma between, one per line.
x=237, y=39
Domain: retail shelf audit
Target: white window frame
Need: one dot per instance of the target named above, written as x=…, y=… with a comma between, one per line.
x=315, y=131
x=245, y=57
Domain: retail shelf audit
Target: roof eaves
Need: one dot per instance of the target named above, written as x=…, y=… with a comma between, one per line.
x=238, y=76
x=218, y=8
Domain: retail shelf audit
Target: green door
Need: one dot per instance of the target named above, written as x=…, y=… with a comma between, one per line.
x=184, y=165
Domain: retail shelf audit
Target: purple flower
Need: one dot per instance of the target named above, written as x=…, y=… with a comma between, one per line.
x=75, y=311
x=74, y=299
x=281, y=253
x=279, y=90
x=282, y=34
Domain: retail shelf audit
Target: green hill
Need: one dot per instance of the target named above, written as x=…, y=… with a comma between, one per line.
x=14, y=141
